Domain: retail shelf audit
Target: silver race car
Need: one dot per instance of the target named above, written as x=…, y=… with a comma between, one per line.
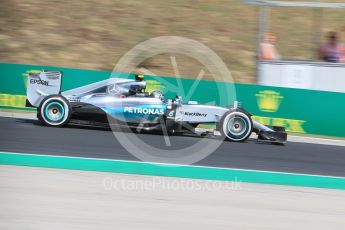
x=124, y=103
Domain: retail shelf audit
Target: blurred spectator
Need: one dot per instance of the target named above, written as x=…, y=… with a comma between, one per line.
x=268, y=50
x=343, y=46
x=332, y=50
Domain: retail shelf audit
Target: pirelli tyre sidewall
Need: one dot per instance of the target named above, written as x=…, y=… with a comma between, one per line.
x=54, y=110
x=236, y=125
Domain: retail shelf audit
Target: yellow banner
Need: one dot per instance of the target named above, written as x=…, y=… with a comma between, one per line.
x=291, y=125
x=9, y=100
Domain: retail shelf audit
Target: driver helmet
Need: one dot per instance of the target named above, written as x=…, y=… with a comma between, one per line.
x=139, y=77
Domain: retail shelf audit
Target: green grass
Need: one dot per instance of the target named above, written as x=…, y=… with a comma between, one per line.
x=95, y=34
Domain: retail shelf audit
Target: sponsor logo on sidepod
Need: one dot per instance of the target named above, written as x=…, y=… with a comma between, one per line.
x=149, y=111
x=195, y=114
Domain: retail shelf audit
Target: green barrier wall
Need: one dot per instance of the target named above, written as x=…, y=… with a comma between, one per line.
x=300, y=111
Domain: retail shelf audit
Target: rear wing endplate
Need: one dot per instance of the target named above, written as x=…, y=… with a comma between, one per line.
x=41, y=85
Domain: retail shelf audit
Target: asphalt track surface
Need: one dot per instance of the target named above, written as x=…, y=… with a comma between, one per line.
x=28, y=136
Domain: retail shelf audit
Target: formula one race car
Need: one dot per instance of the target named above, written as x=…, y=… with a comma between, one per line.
x=124, y=102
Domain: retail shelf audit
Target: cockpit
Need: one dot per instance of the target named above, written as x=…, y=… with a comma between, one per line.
x=114, y=87
x=133, y=89
x=127, y=88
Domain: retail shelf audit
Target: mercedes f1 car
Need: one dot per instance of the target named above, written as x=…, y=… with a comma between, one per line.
x=124, y=102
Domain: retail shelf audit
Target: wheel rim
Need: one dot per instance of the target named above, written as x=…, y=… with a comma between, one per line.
x=54, y=111
x=236, y=126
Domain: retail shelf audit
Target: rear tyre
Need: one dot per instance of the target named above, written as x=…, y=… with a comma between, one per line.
x=55, y=111
x=236, y=125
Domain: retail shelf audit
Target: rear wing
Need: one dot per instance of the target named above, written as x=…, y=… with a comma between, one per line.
x=40, y=85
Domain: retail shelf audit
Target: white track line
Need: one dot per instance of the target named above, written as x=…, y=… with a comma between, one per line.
x=23, y=115
x=314, y=140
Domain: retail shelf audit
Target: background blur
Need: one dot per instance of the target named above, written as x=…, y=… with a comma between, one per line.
x=95, y=34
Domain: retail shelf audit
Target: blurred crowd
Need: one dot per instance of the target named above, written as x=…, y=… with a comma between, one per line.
x=331, y=50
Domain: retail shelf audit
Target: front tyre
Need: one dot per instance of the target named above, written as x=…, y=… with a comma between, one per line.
x=54, y=110
x=236, y=125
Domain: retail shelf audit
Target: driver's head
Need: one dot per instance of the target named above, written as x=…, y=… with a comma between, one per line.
x=270, y=37
x=332, y=37
x=139, y=77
